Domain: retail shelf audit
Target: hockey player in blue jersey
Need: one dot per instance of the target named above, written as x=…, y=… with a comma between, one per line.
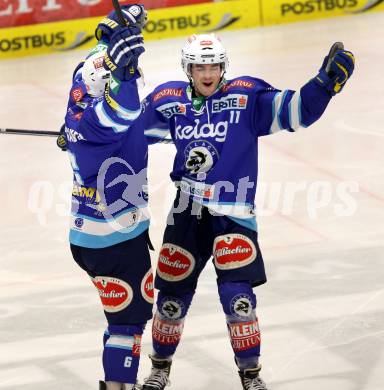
x=215, y=124
x=109, y=223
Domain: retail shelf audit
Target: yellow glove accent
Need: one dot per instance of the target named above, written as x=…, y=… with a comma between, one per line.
x=350, y=55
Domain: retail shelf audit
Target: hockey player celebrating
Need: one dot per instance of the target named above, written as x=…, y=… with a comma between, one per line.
x=109, y=224
x=215, y=124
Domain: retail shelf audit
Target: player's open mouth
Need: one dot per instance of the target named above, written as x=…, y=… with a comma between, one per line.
x=208, y=84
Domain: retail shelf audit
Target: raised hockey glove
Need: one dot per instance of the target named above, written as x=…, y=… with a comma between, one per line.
x=340, y=70
x=123, y=52
x=61, y=140
x=134, y=14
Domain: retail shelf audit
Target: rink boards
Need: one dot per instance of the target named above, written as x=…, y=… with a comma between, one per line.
x=171, y=22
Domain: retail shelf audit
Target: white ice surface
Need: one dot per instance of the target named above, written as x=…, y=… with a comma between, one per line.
x=321, y=312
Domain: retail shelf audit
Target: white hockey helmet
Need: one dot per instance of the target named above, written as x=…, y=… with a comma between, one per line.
x=203, y=49
x=94, y=75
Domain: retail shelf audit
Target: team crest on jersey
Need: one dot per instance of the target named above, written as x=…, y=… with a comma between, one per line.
x=171, y=308
x=147, y=287
x=198, y=105
x=233, y=251
x=230, y=102
x=115, y=294
x=200, y=157
x=175, y=263
x=241, y=305
x=79, y=222
x=171, y=109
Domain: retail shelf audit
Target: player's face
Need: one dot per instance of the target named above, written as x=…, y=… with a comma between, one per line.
x=206, y=78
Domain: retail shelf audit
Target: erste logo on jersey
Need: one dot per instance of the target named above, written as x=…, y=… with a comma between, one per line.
x=147, y=290
x=233, y=251
x=230, y=102
x=171, y=109
x=115, y=294
x=200, y=156
x=175, y=263
x=198, y=190
x=177, y=92
x=217, y=131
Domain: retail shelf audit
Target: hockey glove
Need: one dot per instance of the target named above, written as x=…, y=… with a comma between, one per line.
x=61, y=140
x=134, y=14
x=123, y=52
x=340, y=70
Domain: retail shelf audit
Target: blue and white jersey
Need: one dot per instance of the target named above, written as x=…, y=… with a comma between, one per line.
x=217, y=142
x=109, y=159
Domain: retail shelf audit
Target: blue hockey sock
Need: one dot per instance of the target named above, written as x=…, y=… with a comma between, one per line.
x=239, y=303
x=168, y=323
x=122, y=353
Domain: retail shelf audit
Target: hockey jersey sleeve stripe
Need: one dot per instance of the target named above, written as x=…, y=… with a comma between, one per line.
x=294, y=109
x=281, y=113
x=106, y=121
x=156, y=133
x=277, y=106
x=123, y=113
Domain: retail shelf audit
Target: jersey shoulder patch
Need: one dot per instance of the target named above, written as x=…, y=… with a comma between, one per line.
x=246, y=84
x=168, y=92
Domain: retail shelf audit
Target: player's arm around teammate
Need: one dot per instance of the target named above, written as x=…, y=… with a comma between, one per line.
x=109, y=223
x=215, y=124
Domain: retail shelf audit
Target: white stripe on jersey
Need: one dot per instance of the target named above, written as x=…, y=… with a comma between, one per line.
x=294, y=108
x=102, y=227
x=240, y=211
x=156, y=133
x=125, y=114
x=278, y=102
x=106, y=121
